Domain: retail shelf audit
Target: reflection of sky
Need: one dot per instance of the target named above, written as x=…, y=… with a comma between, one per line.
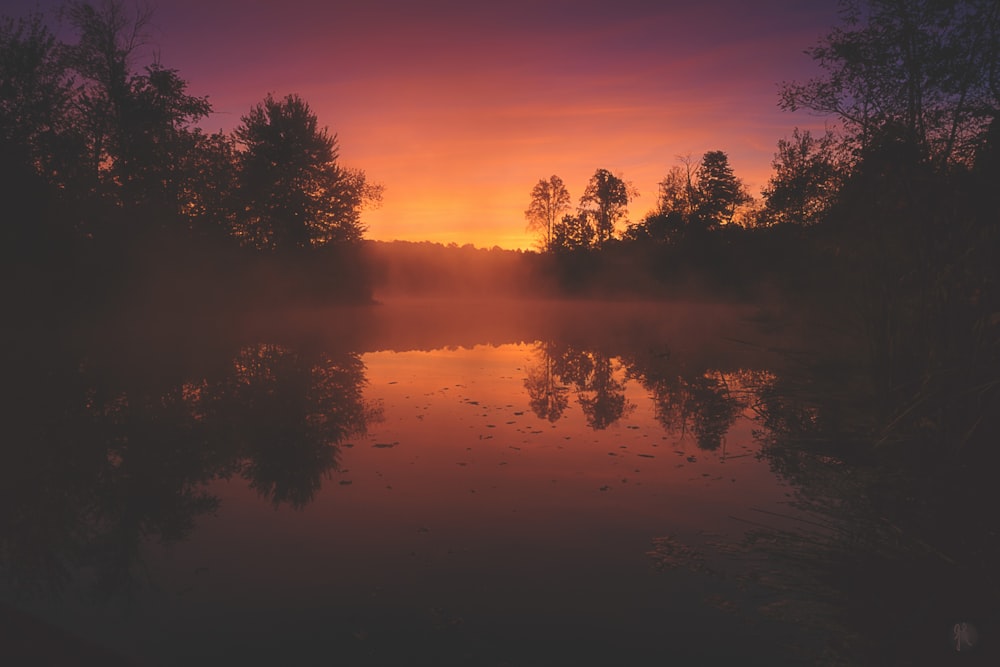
x=478, y=500
x=464, y=426
x=477, y=509
x=458, y=108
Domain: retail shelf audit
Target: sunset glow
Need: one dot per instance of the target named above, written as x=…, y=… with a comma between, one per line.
x=458, y=109
x=499, y=333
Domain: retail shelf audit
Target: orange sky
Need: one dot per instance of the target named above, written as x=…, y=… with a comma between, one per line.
x=458, y=108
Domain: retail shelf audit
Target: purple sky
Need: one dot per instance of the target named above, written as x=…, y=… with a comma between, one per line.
x=458, y=108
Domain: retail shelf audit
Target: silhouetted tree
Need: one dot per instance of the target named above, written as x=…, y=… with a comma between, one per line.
x=693, y=200
x=159, y=142
x=606, y=197
x=137, y=127
x=674, y=208
x=294, y=193
x=719, y=192
x=549, y=200
x=35, y=94
x=678, y=190
x=658, y=227
x=928, y=67
x=208, y=186
x=574, y=232
x=110, y=186
x=916, y=85
x=808, y=174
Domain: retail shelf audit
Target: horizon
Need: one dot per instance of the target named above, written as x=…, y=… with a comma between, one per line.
x=458, y=111
x=255, y=423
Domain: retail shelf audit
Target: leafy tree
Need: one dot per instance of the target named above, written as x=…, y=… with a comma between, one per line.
x=928, y=68
x=207, y=186
x=808, y=174
x=136, y=127
x=35, y=94
x=606, y=197
x=574, y=232
x=108, y=144
x=675, y=207
x=158, y=133
x=549, y=200
x=658, y=226
x=678, y=189
x=719, y=192
x=694, y=198
x=294, y=193
x=100, y=154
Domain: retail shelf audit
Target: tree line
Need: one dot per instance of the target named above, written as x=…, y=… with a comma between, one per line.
x=918, y=78
x=692, y=197
x=102, y=152
x=888, y=221
x=696, y=199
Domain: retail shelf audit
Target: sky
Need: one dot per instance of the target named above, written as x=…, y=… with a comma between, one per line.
x=459, y=107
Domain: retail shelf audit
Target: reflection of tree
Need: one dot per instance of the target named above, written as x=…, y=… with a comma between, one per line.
x=878, y=541
x=96, y=462
x=152, y=484
x=789, y=565
x=288, y=413
x=716, y=409
x=91, y=468
x=682, y=398
x=601, y=396
x=592, y=373
x=547, y=394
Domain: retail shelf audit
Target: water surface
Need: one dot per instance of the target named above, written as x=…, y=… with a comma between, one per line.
x=417, y=483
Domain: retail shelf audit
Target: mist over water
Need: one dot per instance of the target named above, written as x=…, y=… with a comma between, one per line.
x=469, y=480
x=467, y=462
x=237, y=431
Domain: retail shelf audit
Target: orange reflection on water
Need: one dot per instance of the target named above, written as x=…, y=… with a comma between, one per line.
x=462, y=503
x=460, y=443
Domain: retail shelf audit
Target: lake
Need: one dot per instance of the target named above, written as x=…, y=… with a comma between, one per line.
x=418, y=482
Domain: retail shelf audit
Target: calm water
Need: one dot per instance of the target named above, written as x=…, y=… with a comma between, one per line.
x=418, y=483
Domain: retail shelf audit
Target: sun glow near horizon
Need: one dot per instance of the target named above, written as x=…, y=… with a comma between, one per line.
x=492, y=214
x=459, y=109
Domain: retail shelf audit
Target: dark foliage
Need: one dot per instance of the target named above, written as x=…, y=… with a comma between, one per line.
x=110, y=185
